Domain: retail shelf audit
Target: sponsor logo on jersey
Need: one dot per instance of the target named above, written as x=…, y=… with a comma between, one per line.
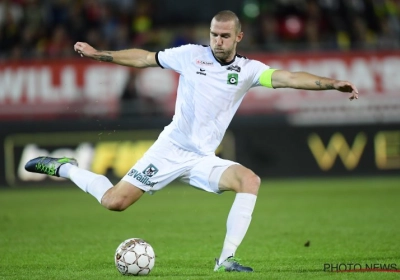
x=150, y=170
x=142, y=178
x=233, y=78
x=234, y=68
x=202, y=72
x=205, y=63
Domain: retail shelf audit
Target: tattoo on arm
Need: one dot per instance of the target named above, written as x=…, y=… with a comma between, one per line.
x=327, y=86
x=106, y=57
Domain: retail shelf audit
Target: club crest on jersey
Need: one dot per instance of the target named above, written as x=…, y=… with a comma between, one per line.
x=233, y=79
x=150, y=171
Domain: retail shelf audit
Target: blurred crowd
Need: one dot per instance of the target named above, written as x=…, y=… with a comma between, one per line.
x=49, y=28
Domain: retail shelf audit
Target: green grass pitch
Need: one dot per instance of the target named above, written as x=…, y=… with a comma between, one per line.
x=63, y=233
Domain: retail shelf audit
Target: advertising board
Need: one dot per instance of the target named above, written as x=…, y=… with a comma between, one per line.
x=56, y=89
x=272, y=151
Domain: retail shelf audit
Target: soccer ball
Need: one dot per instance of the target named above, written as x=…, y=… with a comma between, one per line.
x=134, y=256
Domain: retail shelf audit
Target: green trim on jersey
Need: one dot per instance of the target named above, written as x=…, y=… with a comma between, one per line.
x=266, y=78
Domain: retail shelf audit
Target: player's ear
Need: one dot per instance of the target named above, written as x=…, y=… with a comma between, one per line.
x=239, y=37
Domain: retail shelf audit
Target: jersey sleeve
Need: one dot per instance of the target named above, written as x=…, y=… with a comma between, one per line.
x=261, y=74
x=174, y=58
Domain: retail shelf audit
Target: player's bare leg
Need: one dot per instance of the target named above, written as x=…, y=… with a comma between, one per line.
x=117, y=198
x=239, y=179
x=245, y=183
x=121, y=196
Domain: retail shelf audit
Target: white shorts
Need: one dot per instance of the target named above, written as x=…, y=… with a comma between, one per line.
x=165, y=162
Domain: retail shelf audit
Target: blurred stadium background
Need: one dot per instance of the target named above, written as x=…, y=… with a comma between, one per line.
x=344, y=156
x=54, y=102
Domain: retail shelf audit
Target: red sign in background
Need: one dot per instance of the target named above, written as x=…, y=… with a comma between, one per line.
x=83, y=87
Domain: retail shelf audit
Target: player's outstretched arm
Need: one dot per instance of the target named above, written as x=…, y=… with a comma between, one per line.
x=132, y=57
x=307, y=81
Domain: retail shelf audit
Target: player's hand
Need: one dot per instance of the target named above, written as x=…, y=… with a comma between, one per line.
x=84, y=49
x=345, y=86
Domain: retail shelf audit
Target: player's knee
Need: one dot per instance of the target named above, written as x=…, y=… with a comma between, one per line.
x=121, y=196
x=114, y=203
x=118, y=206
x=250, y=183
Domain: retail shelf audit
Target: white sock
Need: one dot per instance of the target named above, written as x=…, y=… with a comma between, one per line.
x=89, y=182
x=64, y=170
x=237, y=224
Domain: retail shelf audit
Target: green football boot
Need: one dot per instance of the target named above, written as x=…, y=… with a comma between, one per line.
x=48, y=165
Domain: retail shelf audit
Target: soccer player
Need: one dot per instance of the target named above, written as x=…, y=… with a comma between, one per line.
x=213, y=81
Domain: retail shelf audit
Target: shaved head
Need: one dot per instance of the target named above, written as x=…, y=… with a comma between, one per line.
x=227, y=15
x=225, y=34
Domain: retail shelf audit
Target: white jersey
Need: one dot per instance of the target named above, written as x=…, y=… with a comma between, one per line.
x=209, y=94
